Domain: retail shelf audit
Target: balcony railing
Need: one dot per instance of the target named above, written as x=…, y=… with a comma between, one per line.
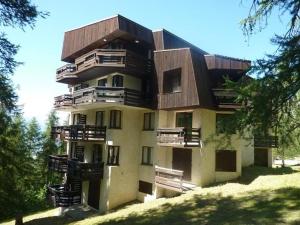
x=266, y=142
x=63, y=101
x=169, y=178
x=117, y=58
x=85, y=171
x=180, y=136
x=66, y=71
x=58, y=163
x=80, y=132
x=62, y=196
x=119, y=95
x=226, y=98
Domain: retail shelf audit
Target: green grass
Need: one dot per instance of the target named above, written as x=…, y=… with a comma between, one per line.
x=260, y=196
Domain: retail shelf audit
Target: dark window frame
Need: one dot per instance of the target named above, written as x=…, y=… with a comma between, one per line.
x=145, y=187
x=113, y=160
x=101, y=80
x=102, y=118
x=77, y=119
x=172, y=81
x=148, y=151
x=117, y=81
x=226, y=161
x=149, y=121
x=113, y=119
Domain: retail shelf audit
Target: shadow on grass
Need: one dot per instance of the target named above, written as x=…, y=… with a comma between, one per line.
x=252, y=172
x=76, y=213
x=256, y=208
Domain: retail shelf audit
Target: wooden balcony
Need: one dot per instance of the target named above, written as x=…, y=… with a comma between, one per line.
x=62, y=196
x=85, y=171
x=103, y=61
x=112, y=95
x=266, y=142
x=179, y=137
x=66, y=73
x=58, y=163
x=169, y=179
x=226, y=98
x=79, y=132
x=63, y=101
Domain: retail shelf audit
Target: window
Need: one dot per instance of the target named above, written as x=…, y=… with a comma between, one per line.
x=117, y=81
x=149, y=121
x=147, y=155
x=113, y=155
x=79, y=119
x=225, y=123
x=184, y=119
x=226, y=160
x=80, y=86
x=172, y=81
x=100, y=119
x=145, y=187
x=115, y=119
x=97, y=153
x=102, y=82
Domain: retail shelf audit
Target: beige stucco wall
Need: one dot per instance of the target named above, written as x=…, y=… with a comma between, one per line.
x=120, y=183
x=270, y=157
x=124, y=178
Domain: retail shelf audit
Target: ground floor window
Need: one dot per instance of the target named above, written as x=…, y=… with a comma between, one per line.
x=113, y=155
x=145, y=187
x=226, y=160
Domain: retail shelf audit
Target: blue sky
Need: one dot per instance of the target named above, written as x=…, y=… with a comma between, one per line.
x=212, y=25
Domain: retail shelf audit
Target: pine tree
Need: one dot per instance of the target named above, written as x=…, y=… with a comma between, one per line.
x=274, y=97
x=16, y=168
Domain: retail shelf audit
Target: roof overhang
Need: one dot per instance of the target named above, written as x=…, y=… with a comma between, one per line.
x=84, y=39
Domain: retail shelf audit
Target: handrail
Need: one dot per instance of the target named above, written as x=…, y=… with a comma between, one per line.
x=80, y=132
x=85, y=171
x=58, y=163
x=266, y=142
x=106, y=57
x=179, y=136
x=169, y=178
x=63, y=196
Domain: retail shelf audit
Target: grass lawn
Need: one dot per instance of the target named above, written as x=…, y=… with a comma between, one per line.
x=260, y=196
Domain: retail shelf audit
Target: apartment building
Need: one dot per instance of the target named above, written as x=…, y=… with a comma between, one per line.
x=145, y=107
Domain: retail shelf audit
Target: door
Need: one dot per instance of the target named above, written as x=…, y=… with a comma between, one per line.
x=94, y=193
x=261, y=157
x=185, y=119
x=97, y=154
x=182, y=160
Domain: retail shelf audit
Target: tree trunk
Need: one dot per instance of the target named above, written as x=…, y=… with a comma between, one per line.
x=19, y=219
x=282, y=159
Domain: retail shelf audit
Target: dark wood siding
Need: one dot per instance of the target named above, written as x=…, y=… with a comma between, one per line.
x=84, y=37
x=223, y=62
x=82, y=40
x=202, y=79
x=174, y=59
x=158, y=40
